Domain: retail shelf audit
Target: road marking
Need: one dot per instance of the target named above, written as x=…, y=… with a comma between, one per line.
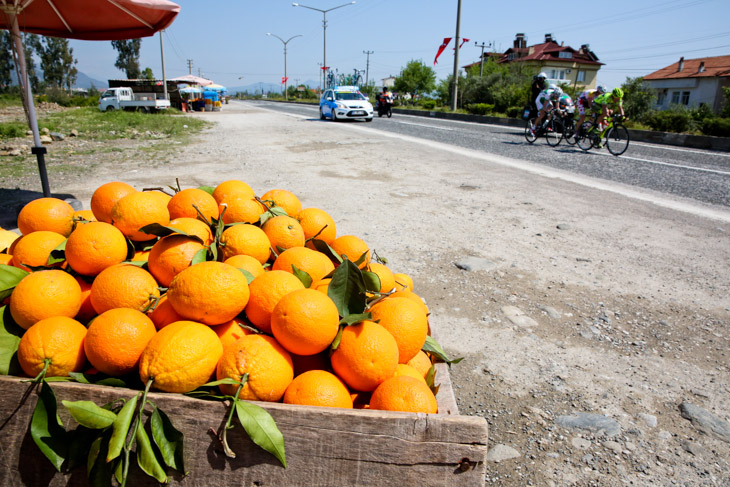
x=660, y=163
x=681, y=149
x=424, y=125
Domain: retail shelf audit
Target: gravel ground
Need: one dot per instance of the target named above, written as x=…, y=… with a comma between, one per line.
x=592, y=325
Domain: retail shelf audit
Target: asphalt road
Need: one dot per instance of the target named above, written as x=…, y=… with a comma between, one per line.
x=699, y=175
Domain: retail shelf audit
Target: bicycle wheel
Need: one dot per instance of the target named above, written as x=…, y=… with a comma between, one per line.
x=584, y=139
x=569, y=132
x=617, y=140
x=531, y=138
x=554, y=132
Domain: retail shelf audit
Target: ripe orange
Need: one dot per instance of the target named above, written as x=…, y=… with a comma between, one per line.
x=405, y=293
x=209, y=292
x=353, y=247
x=322, y=285
x=266, y=291
x=171, y=255
x=406, y=321
x=180, y=357
x=59, y=339
x=317, y=222
x=318, y=388
x=367, y=355
x=115, y=340
x=164, y=313
x=245, y=239
x=105, y=196
x=231, y=190
x=403, y=282
x=123, y=286
x=86, y=311
x=138, y=209
x=92, y=247
x=34, y=249
x=230, y=332
x=194, y=227
x=45, y=294
x=247, y=263
x=84, y=215
x=403, y=393
x=421, y=362
x=314, y=263
x=268, y=365
x=405, y=369
x=6, y=259
x=284, y=232
x=183, y=203
x=387, y=281
x=247, y=210
x=141, y=256
x=305, y=322
x=285, y=199
x=6, y=239
x=50, y=214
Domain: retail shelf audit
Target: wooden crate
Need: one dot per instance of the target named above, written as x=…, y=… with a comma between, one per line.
x=324, y=446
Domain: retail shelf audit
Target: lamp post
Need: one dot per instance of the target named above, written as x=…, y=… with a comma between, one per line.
x=285, y=42
x=324, y=25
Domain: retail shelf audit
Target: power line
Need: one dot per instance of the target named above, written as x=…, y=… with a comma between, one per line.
x=673, y=43
x=667, y=54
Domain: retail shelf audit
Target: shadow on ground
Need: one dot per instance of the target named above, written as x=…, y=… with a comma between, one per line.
x=13, y=200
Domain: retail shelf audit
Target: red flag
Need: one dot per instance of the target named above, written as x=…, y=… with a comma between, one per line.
x=284, y=79
x=464, y=41
x=441, y=49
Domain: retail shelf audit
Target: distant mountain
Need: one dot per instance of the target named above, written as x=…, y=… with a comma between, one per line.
x=85, y=81
x=268, y=87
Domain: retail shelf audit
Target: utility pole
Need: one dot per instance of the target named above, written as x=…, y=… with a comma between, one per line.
x=481, y=65
x=164, y=76
x=456, y=58
x=190, y=66
x=367, y=66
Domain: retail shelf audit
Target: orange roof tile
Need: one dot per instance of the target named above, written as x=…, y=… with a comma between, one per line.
x=694, y=68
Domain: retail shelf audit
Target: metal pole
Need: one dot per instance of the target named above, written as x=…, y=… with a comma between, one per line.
x=324, y=33
x=481, y=65
x=456, y=58
x=286, y=94
x=367, y=66
x=164, y=76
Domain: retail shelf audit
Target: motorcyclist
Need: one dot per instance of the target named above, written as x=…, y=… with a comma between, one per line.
x=385, y=99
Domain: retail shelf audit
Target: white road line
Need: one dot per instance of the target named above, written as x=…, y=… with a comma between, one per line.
x=660, y=163
x=681, y=149
x=425, y=125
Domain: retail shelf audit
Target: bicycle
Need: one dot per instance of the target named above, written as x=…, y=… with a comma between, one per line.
x=615, y=133
x=568, y=120
x=551, y=128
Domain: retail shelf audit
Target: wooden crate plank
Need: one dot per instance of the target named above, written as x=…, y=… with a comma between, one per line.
x=325, y=446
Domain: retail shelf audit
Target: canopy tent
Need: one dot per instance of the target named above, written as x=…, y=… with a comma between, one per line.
x=191, y=79
x=97, y=20
x=216, y=87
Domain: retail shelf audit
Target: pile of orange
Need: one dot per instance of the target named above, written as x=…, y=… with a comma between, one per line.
x=146, y=283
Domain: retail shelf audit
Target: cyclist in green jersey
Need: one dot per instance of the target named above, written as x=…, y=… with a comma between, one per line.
x=606, y=104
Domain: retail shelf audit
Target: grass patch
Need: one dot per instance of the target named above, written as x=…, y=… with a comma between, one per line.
x=10, y=100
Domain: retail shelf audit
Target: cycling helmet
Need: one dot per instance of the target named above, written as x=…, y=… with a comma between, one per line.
x=557, y=92
x=542, y=76
x=601, y=89
x=617, y=93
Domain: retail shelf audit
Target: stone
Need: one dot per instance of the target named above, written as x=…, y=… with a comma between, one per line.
x=471, y=263
x=56, y=136
x=648, y=419
x=664, y=435
x=518, y=317
x=73, y=133
x=563, y=226
x=705, y=421
x=693, y=448
x=44, y=131
x=595, y=423
x=614, y=446
x=580, y=443
x=46, y=139
x=551, y=312
x=499, y=453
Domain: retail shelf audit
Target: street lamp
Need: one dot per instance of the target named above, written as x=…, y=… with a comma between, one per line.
x=324, y=26
x=285, y=42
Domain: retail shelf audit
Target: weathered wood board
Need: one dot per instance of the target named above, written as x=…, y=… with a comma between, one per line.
x=324, y=446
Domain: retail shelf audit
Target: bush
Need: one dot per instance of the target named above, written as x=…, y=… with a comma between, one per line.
x=676, y=119
x=11, y=130
x=514, y=112
x=479, y=108
x=428, y=104
x=719, y=127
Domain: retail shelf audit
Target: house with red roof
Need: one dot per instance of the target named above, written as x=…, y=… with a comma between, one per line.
x=691, y=82
x=563, y=64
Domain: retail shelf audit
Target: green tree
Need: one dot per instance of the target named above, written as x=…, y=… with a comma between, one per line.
x=416, y=77
x=726, y=106
x=638, y=98
x=147, y=74
x=57, y=61
x=128, y=57
x=503, y=85
x=6, y=60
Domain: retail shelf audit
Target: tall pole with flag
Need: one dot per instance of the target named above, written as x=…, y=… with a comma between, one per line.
x=456, y=59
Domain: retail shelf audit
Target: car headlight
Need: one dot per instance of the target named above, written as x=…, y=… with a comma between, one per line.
x=341, y=105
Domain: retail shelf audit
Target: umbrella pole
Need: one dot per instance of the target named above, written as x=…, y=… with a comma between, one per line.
x=38, y=149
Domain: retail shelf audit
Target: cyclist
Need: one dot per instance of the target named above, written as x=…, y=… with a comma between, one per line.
x=545, y=101
x=606, y=104
x=539, y=83
x=585, y=101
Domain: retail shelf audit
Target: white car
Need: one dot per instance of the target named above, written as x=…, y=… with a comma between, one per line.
x=344, y=102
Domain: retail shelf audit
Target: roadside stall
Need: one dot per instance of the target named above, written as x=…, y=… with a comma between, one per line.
x=192, y=98
x=211, y=99
x=222, y=94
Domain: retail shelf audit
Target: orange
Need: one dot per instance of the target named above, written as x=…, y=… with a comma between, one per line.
x=115, y=340
x=84, y=215
x=123, y=286
x=405, y=369
x=305, y=322
x=60, y=340
x=164, y=313
x=209, y=292
x=245, y=239
x=421, y=362
x=266, y=291
x=405, y=293
x=196, y=228
x=184, y=202
x=86, y=311
x=6, y=259
x=367, y=355
x=284, y=232
x=50, y=214
x=322, y=285
x=171, y=255
x=137, y=210
x=314, y=263
x=45, y=294
x=106, y=196
x=141, y=256
x=247, y=210
x=181, y=357
x=285, y=199
x=34, y=249
x=403, y=393
x=318, y=388
x=353, y=247
x=387, y=280
x=247, y=263
x=231, y=331
x=232, y=189
x=406, y=321
x=317, y=222
x=403, y=282
x=268, y=365
x=303, y=363
x=94, y=246
x=6, y=239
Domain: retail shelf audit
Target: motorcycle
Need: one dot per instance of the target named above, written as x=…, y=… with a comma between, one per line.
x=384, y=106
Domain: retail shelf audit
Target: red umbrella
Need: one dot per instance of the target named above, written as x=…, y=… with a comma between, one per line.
x=97, y=20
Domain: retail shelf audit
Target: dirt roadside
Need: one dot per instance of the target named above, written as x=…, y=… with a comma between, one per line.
x=585, y=318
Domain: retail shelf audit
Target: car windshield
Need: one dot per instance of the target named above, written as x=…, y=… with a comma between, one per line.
x=107, y=94
x=349, y=96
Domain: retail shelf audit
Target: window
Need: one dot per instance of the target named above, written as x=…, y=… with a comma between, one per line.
x=557, y=74
x=511, y=56
x=565, y=55
x=685, y=98
x=581, y=78
x=660, y=98
x=675, y=97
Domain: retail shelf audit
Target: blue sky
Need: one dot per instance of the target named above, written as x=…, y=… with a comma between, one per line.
x=226, y=39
